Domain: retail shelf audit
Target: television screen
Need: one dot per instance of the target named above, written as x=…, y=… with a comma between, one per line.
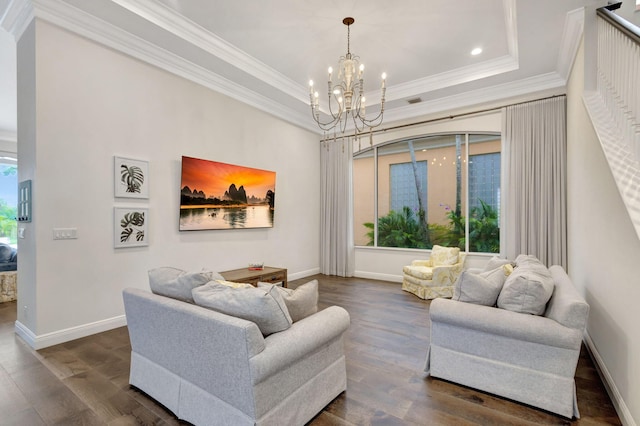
x=217, y=195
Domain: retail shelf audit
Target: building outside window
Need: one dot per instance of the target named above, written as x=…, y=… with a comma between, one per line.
x=484, y=180
x=413, y=193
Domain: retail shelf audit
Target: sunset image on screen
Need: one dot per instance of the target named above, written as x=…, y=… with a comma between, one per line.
x=216, y=195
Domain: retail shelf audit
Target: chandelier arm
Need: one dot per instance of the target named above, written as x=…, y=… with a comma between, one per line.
x=338, y=113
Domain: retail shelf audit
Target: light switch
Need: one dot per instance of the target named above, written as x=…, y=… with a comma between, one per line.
x=65, y=233
x=20, y=232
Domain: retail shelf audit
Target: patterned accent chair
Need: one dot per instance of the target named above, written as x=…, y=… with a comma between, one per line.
x=435, y=276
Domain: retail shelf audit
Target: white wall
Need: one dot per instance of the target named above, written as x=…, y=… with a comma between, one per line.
x=603, y=255
x=387, y=263
x=93, y=103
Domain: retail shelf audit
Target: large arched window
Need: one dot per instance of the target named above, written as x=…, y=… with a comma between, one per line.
x=436, y=189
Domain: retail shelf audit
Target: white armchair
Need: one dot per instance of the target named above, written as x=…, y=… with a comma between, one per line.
x=434, y=277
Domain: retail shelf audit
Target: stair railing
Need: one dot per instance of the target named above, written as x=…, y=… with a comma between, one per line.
x=618, y=77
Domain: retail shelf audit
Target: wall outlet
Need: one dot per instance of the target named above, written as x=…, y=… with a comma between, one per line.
x=65, y=233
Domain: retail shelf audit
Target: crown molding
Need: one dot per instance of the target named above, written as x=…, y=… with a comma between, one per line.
x=527, y=86
x=16, y=17
x=178, y=25
x=73, y=19
x=20, y=13
x=570, y=42
x=451, y=78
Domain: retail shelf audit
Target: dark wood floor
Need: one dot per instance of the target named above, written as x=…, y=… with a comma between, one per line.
x=85, y=382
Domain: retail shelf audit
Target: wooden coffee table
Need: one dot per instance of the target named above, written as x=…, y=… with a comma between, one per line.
x=268, y=274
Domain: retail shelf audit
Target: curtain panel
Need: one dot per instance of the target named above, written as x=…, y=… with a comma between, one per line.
x=535, y=182
x=336, y=204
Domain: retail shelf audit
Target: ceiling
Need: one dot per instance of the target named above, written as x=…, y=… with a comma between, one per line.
x=264, y=53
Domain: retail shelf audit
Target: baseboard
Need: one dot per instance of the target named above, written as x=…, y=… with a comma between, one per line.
x=61, y=336
x=609, y=384
x=378, y=276
x=303, y=274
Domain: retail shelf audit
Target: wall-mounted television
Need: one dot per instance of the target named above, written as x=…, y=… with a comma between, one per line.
x=216, y=195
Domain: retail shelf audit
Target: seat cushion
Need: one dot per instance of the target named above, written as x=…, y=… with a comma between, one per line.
x=420, y=272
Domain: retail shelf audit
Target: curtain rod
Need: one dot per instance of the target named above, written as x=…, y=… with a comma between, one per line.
x=448, y=117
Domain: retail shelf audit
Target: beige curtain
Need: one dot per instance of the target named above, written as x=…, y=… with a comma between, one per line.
x=534, y=186
x=336, y=204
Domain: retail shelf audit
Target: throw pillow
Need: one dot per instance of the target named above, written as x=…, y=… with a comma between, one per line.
x=233, y=284
x=301, y=301
x=480, y=289
x=528, y=288
x=176, y=283
x=263, y=306
x=495, y=262
x=441, y=256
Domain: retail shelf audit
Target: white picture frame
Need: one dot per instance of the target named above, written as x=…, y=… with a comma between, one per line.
x=131, y=178
x=130, y=227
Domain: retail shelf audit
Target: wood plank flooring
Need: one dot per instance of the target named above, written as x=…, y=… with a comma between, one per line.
x=85, y=382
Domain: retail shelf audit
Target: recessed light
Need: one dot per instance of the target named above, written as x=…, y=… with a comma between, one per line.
x=476, y=51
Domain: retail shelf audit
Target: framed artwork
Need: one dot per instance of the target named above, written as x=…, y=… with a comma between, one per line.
x=216, y=195
x=130, y=227
x=131, y=178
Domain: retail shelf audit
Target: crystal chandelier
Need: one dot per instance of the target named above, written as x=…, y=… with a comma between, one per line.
x=346, y=97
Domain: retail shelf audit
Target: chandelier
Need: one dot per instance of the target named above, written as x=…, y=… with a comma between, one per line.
x=346, y=97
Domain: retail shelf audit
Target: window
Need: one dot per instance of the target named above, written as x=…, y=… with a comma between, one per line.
x=8, y=201
x=413, y=193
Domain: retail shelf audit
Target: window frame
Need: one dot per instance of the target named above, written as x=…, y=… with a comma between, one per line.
x=466, y=137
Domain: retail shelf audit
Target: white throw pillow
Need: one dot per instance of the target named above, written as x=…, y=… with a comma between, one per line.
x=301, y=301
x=176, y=283
x=495, y=262
x=528, y=288
x=480, y=289
x=263, y=306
